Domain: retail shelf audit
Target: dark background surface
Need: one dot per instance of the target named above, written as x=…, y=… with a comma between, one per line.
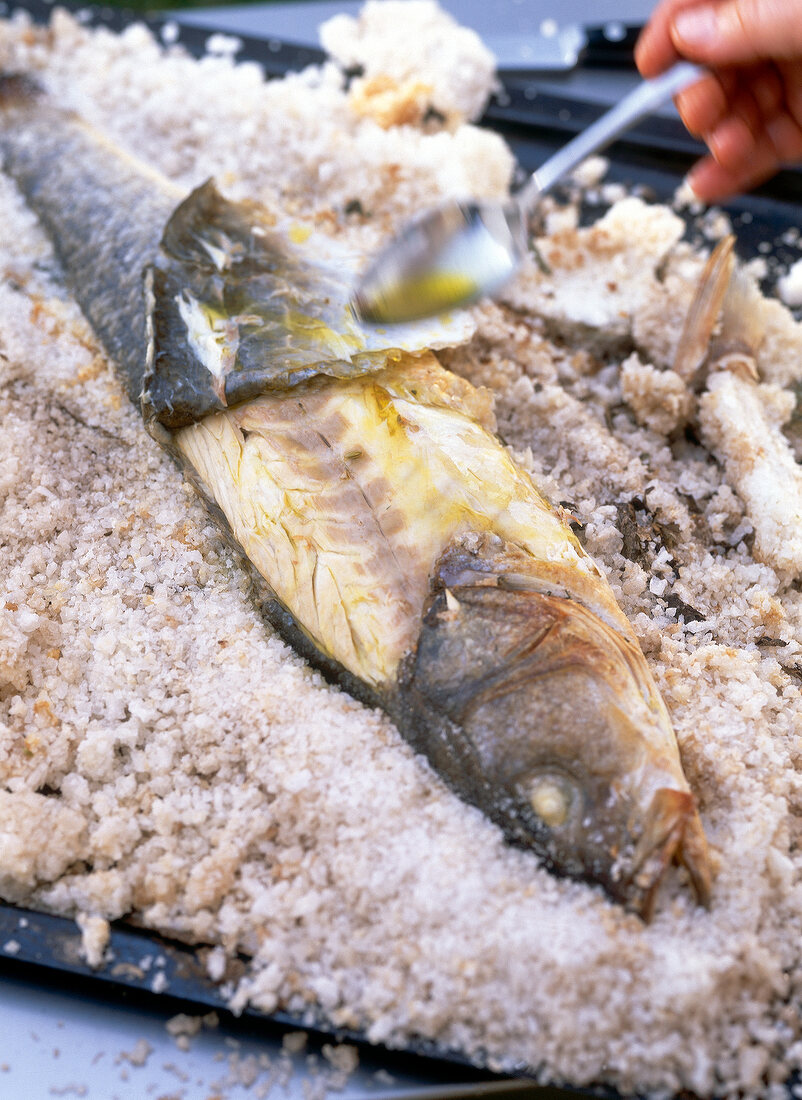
x=298, y=22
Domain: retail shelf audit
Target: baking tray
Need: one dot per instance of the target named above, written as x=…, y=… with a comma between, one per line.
x=145, y=968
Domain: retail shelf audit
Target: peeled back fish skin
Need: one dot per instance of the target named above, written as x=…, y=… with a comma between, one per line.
x=392, y=538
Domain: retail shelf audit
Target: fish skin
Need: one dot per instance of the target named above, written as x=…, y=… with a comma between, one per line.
x=104, y=212
x=525, y=688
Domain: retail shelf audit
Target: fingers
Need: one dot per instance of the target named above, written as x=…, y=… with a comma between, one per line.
x=737, y=31
x=733, y=144
x=748, y=109
x=711, y=182
x=720, y=33
x=743, y=158
x=791, y=77
x=768, y=89
x=751, y=120
x=752, y=100
x=704, y=104
x=785, y=135
x=655, y=49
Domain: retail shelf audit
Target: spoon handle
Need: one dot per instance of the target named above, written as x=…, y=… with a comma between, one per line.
x=641, y=101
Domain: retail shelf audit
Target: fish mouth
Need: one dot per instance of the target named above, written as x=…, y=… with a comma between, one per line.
x=673, y=834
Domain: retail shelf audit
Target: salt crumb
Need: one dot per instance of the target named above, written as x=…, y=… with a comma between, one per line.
x=225, y=45
x=244, y=1071
x=562, y=218
x=757, y=268
x=658, y=585
x=293, y=1042
x=342, y=1057
x=171, y=1067
x=216, y=962
x=716, y=225
x=137, y=1056
x=790, y=286
x=613, y=192
x=591, y=171
x=686, y=198
x=160, y=982
x=95, y=933
x=170, y=32
x=184, y=1025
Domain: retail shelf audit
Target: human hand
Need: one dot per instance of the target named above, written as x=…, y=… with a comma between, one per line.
x=749, y=109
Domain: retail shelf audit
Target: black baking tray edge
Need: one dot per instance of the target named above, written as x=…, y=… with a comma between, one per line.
x=143, y=969
x=650, y=160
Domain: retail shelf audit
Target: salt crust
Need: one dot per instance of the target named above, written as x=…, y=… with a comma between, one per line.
x=415, y=40
x=162, y=752
x=758, y=463
x=659, y=398
x=790, y=286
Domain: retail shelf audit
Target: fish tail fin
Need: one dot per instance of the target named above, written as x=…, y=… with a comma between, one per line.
x=673, y=834
x=694, y=340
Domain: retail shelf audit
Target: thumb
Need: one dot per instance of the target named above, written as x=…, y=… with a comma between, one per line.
x=736, y=31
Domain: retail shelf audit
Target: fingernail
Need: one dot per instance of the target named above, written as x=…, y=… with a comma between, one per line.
x=696, y=26
x=689, y=182
x=780, y=130
x=695, y=181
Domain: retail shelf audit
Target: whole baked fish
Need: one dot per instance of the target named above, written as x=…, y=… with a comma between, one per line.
x=393, y=539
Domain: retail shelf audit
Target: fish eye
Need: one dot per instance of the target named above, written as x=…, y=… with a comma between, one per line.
x=552, y=797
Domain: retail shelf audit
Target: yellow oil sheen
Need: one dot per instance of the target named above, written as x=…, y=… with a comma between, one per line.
x=344, y=496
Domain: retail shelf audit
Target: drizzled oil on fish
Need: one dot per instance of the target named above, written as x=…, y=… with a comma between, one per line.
x=391, y=537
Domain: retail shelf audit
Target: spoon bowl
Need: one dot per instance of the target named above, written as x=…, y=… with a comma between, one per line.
x=464, y=250
x=449, y=257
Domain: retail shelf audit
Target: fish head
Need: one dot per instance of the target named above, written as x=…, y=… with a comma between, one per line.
x=569, y=747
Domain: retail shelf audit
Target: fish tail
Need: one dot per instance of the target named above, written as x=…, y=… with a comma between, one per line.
x=104, y=211
x=697, y=331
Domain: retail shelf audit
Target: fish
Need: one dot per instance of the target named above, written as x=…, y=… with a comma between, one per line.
x=391, y=537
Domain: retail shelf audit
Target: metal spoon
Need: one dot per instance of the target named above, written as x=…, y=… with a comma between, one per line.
x=462, y=251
